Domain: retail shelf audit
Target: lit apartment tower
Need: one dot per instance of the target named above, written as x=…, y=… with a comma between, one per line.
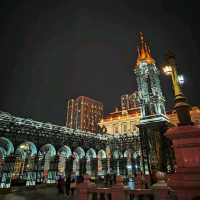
x=84, y=113
x=70, y=113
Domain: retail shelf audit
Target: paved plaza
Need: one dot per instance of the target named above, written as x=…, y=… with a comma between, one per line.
x=49, y=193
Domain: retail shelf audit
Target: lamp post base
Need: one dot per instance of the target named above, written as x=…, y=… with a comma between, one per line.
x=186, y=144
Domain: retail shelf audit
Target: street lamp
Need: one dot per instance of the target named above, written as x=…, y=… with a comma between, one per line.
x=181, y=106
x=181, y=79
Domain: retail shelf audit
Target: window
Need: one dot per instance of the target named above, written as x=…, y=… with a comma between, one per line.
x=115, y=129
x=124, y=127
x=133, y=127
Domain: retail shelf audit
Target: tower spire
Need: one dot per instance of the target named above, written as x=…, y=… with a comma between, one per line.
x=144, y=53
x=142, y=50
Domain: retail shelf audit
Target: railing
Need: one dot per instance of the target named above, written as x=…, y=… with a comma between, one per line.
x=99, y=194
x=90, y=191
x=139, y=194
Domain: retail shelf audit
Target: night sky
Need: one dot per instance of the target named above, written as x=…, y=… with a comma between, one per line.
x=54, y=50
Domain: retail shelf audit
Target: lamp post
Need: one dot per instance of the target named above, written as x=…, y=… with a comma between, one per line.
x=181, y=106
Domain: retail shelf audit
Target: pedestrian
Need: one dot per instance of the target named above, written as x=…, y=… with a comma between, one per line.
x=72, y=185
x=67, y=184
x=153, y=175
x=60, y=184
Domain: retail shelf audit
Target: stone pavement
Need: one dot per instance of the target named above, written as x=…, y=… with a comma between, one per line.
x=48, y=193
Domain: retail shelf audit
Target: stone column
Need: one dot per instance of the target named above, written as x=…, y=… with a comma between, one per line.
x=118, y=189
x=82, y=189
x=186, y=144
x=160, y=188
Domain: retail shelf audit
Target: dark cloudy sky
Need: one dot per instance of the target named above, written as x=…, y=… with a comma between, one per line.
x=52, y=50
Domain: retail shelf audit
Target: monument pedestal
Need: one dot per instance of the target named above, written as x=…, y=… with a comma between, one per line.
x=186, y=144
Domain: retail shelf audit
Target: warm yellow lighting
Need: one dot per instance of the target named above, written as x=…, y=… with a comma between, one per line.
x=167, y=69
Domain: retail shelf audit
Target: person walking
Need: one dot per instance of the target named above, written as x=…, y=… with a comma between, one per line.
x=72, y=185
x=60, y=184
x=67, y=185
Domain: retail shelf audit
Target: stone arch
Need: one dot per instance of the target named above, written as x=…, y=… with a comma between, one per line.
x=64, y=153
x=128, y=154
x=101, y=156
x=78, y=154
x=117, y=154
x=135, y=154
x=47, y=149
x=26, y=149
x=90, y=164
x=2, y=153
x=6, y=147
x=46, y=155
x=91, y=153
x=25, y=161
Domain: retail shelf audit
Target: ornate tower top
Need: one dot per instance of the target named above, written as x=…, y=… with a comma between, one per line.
x=151, y=99
x=144, y=53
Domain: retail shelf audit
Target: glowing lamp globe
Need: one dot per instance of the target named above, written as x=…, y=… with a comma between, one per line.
x=181, y=79
x=167, y=70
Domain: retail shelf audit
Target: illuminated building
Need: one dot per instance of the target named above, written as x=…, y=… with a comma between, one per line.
x=70, y=122
x=195, y=115
x=153, y=119
x=122, y=122
x=124, y=119
x=149, y=89
x=84, y=113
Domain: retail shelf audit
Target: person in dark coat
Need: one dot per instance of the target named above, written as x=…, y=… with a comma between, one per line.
x=60, y=184
x=67, y=184
x=72, y=185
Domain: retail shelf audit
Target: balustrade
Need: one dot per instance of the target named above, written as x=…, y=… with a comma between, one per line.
x=139, y=194
x=99, y=194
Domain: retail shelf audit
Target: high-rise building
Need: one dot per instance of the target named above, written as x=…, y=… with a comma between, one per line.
x=70, y=122
x=84, y=113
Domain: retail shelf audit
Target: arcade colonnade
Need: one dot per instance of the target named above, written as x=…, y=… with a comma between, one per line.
x=31, y=165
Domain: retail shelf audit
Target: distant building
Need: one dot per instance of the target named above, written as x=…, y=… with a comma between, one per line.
x=125, y=121
x=122, y=122
x=195, y=115
x=84, y=113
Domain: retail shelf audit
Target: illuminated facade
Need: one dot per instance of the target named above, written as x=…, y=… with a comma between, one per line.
x=84, y=113
x=195, y=115
x=34, y=152
x=124, y=122
x=153, y=120
x=150, y=95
